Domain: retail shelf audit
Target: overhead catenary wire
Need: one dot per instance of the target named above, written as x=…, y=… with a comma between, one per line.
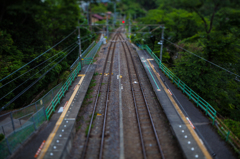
x=38, y=56
x=37, y=65
x=203, y=59
x=35, y=74
x=12, y=100
x=43, y=62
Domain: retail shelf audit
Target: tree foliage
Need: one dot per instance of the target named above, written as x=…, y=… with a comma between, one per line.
x=209, y=29
x=27, y=29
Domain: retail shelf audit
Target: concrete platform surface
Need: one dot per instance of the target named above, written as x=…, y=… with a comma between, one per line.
x=30, y=148
x=206, y=134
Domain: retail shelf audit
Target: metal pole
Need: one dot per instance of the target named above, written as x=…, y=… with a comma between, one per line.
x=115, y=13
x=44, y=110
x=12, y=122
x=79, y=43
x=88, y=13
x=3, y=131
x=8, y=145
x=107, y=24
x=161, y=47
x=129, y=26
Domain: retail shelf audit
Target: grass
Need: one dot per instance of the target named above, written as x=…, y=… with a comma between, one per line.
x=87, y=129
x=95, y=74
x=79, y=127
x=1, y=137
x=88, y=94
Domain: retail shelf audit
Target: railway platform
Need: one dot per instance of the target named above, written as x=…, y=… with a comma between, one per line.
x=60, y=141
x=193, y=130
x=59, y=130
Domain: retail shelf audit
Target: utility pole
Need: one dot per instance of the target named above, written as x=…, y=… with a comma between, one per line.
x=79, y=43
x=129, y=29
x=107, y=24
x=115, y=13
x=88, y=13
x=161, y=43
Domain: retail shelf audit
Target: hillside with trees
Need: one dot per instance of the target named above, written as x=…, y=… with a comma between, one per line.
x=27, y=29
x=207, y=29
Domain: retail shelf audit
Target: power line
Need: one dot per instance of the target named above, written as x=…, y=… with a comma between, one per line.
x=203, y=59
x=37, y=65
x=11, y=101
x=35, y=74
x=38, y=56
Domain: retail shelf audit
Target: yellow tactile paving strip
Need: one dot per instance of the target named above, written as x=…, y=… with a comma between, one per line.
x=194, y=134
x=59, y=122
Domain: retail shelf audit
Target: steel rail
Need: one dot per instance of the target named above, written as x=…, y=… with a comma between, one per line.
x=135, y=105
x=107, y=98
x=150, y=117
x=95, y=104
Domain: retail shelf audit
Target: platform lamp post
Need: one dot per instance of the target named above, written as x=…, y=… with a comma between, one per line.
x=79, y=43
x=142, y=42
x=161, y=43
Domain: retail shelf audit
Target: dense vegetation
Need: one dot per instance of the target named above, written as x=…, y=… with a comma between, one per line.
x=209, y=29
x=27, y=29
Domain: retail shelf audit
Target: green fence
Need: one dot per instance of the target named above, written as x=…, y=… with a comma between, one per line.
x=15, y=139
x=200, y=102
x=57, y=99
x=88, y=58
x=73, y=66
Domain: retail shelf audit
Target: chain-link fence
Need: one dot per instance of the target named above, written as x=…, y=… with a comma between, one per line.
x=74, y=65
x=205, y=106
x=89, y=57
x=19, y=124
x=17, y=137
x=14, y=120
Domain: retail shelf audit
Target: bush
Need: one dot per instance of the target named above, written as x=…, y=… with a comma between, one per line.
x=234, y=126
x=1, y=137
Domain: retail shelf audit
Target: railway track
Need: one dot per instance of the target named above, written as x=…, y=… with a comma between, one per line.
x=151, y=147
x=94, y=143
x=95, y=134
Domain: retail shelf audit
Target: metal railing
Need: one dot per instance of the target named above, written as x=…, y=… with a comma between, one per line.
x=200, y=102
x=88, y=59
x=57, y=99
x=17, y=137
x=14, y=120
x=19, y=125
x=83, y=55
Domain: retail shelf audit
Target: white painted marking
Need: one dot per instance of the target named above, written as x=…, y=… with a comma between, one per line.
x=189, y=142
x=51, y=154
x=65, y=125
x=192, y=148
x=60, y=110
x=62, y=130
x=196, y=156
x=57, y=141
x=182, y=131
x=121, y=134
x=54, y=147
x=185, y=136
x=69, y=118
x=180, y=126
x=60, y=135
